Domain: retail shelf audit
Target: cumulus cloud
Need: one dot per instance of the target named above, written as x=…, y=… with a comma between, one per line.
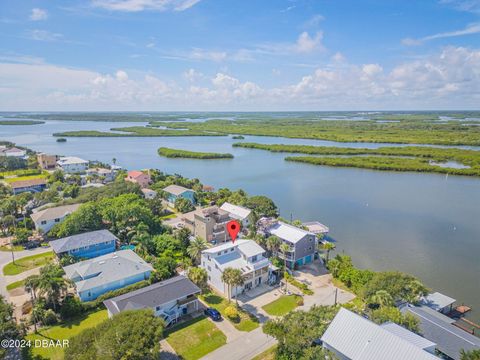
x=448, y=79
x=141, y=5
x=468, y=30
x=38, y=14
x=306, y=43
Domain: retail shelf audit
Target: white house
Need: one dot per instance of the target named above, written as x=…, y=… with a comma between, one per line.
x=352, y=337
x=245, y=255
x=46, y=218
x=72, y=164
x=149, y=193
x=13, y=152
x=238, y=212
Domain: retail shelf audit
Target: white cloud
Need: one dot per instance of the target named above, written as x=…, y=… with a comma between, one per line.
x=463, y=5
x=201, y=54
x=44, y=35
x=314, y=21
x=141, y=5
x=306, y=43
x=38, y=14
x=468, y=30
x=449, y=79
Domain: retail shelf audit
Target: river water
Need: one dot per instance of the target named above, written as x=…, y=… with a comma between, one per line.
x=424, y=224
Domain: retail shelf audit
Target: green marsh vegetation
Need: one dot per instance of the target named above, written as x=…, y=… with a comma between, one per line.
x=20, y=122
x=409, y=158
x=383, y=128
x=177, y=153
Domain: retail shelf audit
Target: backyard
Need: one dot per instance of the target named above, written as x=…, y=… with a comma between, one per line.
x=27, y=263
x=244, y=322
x=66, y=330
x=195, y=338
x=283, y=305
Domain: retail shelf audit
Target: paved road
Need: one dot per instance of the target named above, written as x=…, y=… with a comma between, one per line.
x=6, y=257
x=245, y=347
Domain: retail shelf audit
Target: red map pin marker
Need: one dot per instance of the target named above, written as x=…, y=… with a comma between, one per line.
x=233, y=227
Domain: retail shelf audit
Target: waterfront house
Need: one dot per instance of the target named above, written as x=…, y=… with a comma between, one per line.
x=47, y=162
x=86, y=245
x=170, y=299
x=302, y=243
x=45, y=219
x=102, y=174
x=240, y=213
x=175, y=191
x=208, y=223
x=149, y=193
x=441, y=330
x=352, y=337
x=13, y=152
x=32, y=185
x=72, y=165
x=105, y=273
x=245, y=255
x=139, y=177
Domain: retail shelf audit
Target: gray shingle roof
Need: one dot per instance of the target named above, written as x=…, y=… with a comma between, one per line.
x=81, y=240
x=450, y=339
x=106, y=269
x=153, y=295
x=53, y=212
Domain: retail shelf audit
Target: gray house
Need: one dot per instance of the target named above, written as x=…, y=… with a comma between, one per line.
x=303, y=244
x=170, y=299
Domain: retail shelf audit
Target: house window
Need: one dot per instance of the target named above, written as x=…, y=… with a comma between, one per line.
x=57, y=220
x=209, y=278
x=216, y=266
x=209, y=268
x=220, y=253
x=158, y=308
x=254, y=258
x=226, y=251
x=43, y=222
x=232, y=249
x=208, y=257
x=309, y=248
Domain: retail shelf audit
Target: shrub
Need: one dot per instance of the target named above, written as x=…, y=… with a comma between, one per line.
x=231, y=312
x=300, y=301
x=71, y=307
x=49, y=318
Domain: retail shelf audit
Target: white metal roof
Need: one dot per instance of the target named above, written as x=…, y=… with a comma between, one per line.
x=238, y=212
x=411, y=337
x=249, y=247
x=176, y=189
x=438, y=301
x=360, y=339
x=288, y=232
x=71, y=160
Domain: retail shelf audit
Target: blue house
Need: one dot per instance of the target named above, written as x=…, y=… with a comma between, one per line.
x=105, y=273
x=33, y=186
x=175, y=191
x=87, y=245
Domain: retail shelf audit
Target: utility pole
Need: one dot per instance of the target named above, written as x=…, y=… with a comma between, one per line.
x=336, y=293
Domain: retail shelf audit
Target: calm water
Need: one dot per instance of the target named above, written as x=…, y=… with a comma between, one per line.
x=424, y=224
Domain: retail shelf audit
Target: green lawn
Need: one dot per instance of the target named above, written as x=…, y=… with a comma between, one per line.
x=15, y=248
x=245, y=322
x=27, y=263
x=25, y=177
x=65, y=331
x=15, y=285
x=283, y=305
x=196, y=338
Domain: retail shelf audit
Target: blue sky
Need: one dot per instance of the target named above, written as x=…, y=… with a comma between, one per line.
x=239, y=55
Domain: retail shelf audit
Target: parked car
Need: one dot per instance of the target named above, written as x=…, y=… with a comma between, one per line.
x=31, y=244
x=213, y=314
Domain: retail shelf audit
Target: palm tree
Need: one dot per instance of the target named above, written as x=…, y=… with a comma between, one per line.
x=273, y=244
x=327, y=247
x=31, y=284
x=52, y=284
x=230, y=277
x=196, y=247
x=198, y=276
x=237, y=280
x=382, y=298
x=334, y=267
x=284, y=248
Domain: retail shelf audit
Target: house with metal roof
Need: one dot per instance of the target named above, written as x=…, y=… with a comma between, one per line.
x=45, y=219
x=72, y=165
x=440, y=329
x=239, y=213
x=302, y=243
x=105, y=273
x=245, y=255
x=86, y=245
x=439, y=302
x=170, y=299
x=176, y=191
x=353, y=337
